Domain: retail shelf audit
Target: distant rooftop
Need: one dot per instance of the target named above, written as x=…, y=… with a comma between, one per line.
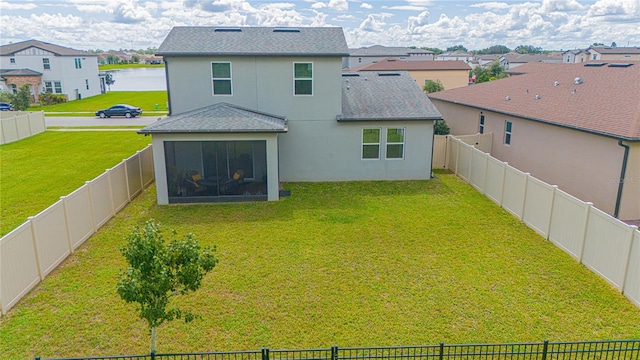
x=384, y=96
x=616, y=50
x=416, y=65
x=386, y=51
x=599, y=99
x=11, y=49
x=212, y=40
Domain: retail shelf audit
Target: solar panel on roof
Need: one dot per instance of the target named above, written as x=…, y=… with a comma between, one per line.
x=287, y=30
x=594, y=64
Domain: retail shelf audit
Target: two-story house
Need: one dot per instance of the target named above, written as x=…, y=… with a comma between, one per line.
x=372, y=54
x=251, y=107
x=49, y=68
x=610, y=53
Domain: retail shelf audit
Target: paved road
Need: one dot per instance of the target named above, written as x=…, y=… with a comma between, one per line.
x=95, y=121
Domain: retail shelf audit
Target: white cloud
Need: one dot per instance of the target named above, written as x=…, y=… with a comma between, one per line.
x=131, y=12
x=415, y=22
x=561, y=5
x=407, y=8
x=627, y=9
x=318, y=5
x=366, y=6
x=493, y=5
x=372, y=24
x=19, y=6
x=339, y=5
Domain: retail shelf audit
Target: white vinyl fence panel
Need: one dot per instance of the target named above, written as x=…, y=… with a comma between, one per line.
x=494, y=179
x=515, y=189
x=19, y=125
x=35, y=248
x=478, y=169
x=538, y=205
x=569, y=223
x=607, y=246
x=463, y=168
x=632, y=283
x=439, y=152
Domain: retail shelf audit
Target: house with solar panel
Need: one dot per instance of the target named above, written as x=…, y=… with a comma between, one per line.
x=252, y=107
x=574, y=125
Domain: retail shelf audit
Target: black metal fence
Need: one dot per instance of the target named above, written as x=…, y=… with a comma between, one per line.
x=582, y=350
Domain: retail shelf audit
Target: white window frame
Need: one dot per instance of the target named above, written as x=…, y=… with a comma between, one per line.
x=508, y=132
x=12, y=60
x=78, y=62
x=48, y=86
x=57, y=85
x=303, y=79
x=481, y=126
x=363, y=144
x=230, y=78
x=387, y=143
x=46, y=64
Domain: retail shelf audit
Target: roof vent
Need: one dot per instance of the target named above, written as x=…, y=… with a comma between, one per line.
x=527, y=91
x=507, y=98
x=573, y=91
x=286, y=30
x=620, y=65
x=594, y=64
x=577, y=81
x=228, y=30
x=389, y=74
x=538, y=97
x=556, y=83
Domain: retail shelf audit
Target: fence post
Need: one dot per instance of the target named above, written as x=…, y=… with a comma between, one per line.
x=544, y=349
x=441, y=355
x=265, y=353
x=153, y=355
x=334, y=352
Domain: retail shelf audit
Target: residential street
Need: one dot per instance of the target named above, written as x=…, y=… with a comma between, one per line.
x=95, y=121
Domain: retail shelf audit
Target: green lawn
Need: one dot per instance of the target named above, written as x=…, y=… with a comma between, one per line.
x=127, y=66
x=146, y=100
x=38, y=170
x=347, y=264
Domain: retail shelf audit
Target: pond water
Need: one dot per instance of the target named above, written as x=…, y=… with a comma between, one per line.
x=138, y=79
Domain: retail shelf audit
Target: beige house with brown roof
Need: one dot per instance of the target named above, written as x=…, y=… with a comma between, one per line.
x=614, y=53
x=572, y=125
x=452, y=74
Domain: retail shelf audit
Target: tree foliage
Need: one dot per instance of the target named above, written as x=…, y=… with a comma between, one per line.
x=495, y=49
x=457, y=48
x=436, y=51
x=158, y=271
x=22, y=99
x=47, y=98
x=109, y=80
x=432, y=86
x=441, y=128
x=528, y=49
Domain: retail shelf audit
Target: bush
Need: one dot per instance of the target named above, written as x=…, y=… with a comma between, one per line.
x=48, y=98
x=441, y=128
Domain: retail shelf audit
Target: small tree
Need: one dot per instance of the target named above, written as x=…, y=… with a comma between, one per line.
x=22, y=98
x=441, y=128
x=158, y=271
x=108, y=79
x=431, y=86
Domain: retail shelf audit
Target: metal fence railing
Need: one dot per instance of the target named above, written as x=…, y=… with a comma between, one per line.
x=580, y=350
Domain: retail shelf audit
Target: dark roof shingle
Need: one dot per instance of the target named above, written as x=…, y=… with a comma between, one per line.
x=302, y=41
x=219, y=118
x=607, y=102
x=384, y=96
x=11, y=49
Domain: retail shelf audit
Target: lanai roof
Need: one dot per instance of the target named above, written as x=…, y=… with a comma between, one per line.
x=605, y=100
x=219, y=118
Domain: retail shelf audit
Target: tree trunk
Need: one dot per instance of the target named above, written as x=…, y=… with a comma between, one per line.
x=153, y=339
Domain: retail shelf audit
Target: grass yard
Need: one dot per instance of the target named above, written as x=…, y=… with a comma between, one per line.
x=146, y=100
x=38, y=170
x=127, y=66
x=347, y=264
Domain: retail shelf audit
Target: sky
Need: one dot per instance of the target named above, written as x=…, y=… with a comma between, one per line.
x=140, y=24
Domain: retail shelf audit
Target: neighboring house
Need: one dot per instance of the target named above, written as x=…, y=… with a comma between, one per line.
x=513, y=60
x=575, y=56
x=573, y=125
x=614, y=53
x=452, y=74
x=456, y=56
x=49, y=68
x=251, y=107
x=372, y=54
x=484, y=60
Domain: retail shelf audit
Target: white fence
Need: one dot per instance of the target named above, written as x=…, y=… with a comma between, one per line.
x=607, y=246
x=35, y=248
x=16, y=126
x=442, y=152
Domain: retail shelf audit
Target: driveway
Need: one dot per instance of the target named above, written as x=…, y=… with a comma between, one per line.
x=95, y=121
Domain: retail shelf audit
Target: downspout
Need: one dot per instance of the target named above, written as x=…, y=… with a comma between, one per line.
x=433, y=140
x=622, y=175
x=166, y=75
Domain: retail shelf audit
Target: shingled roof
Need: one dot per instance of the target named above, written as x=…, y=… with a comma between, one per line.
x=412, y=65
x=219, y=118
x=616, y=50
x=302, y=41
x=379, y=50
x=596, y=97
x=19, y=72
x=11, y=49
x=384, y=96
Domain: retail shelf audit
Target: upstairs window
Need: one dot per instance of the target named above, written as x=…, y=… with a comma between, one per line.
x=507, y=132
x=78, y=63
x=45, y=64
x=221, y=77
x=371, y=144
x=12, y=60
x=395, y=143
x=481, y=129
x=86, y=83
x=303, y=78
